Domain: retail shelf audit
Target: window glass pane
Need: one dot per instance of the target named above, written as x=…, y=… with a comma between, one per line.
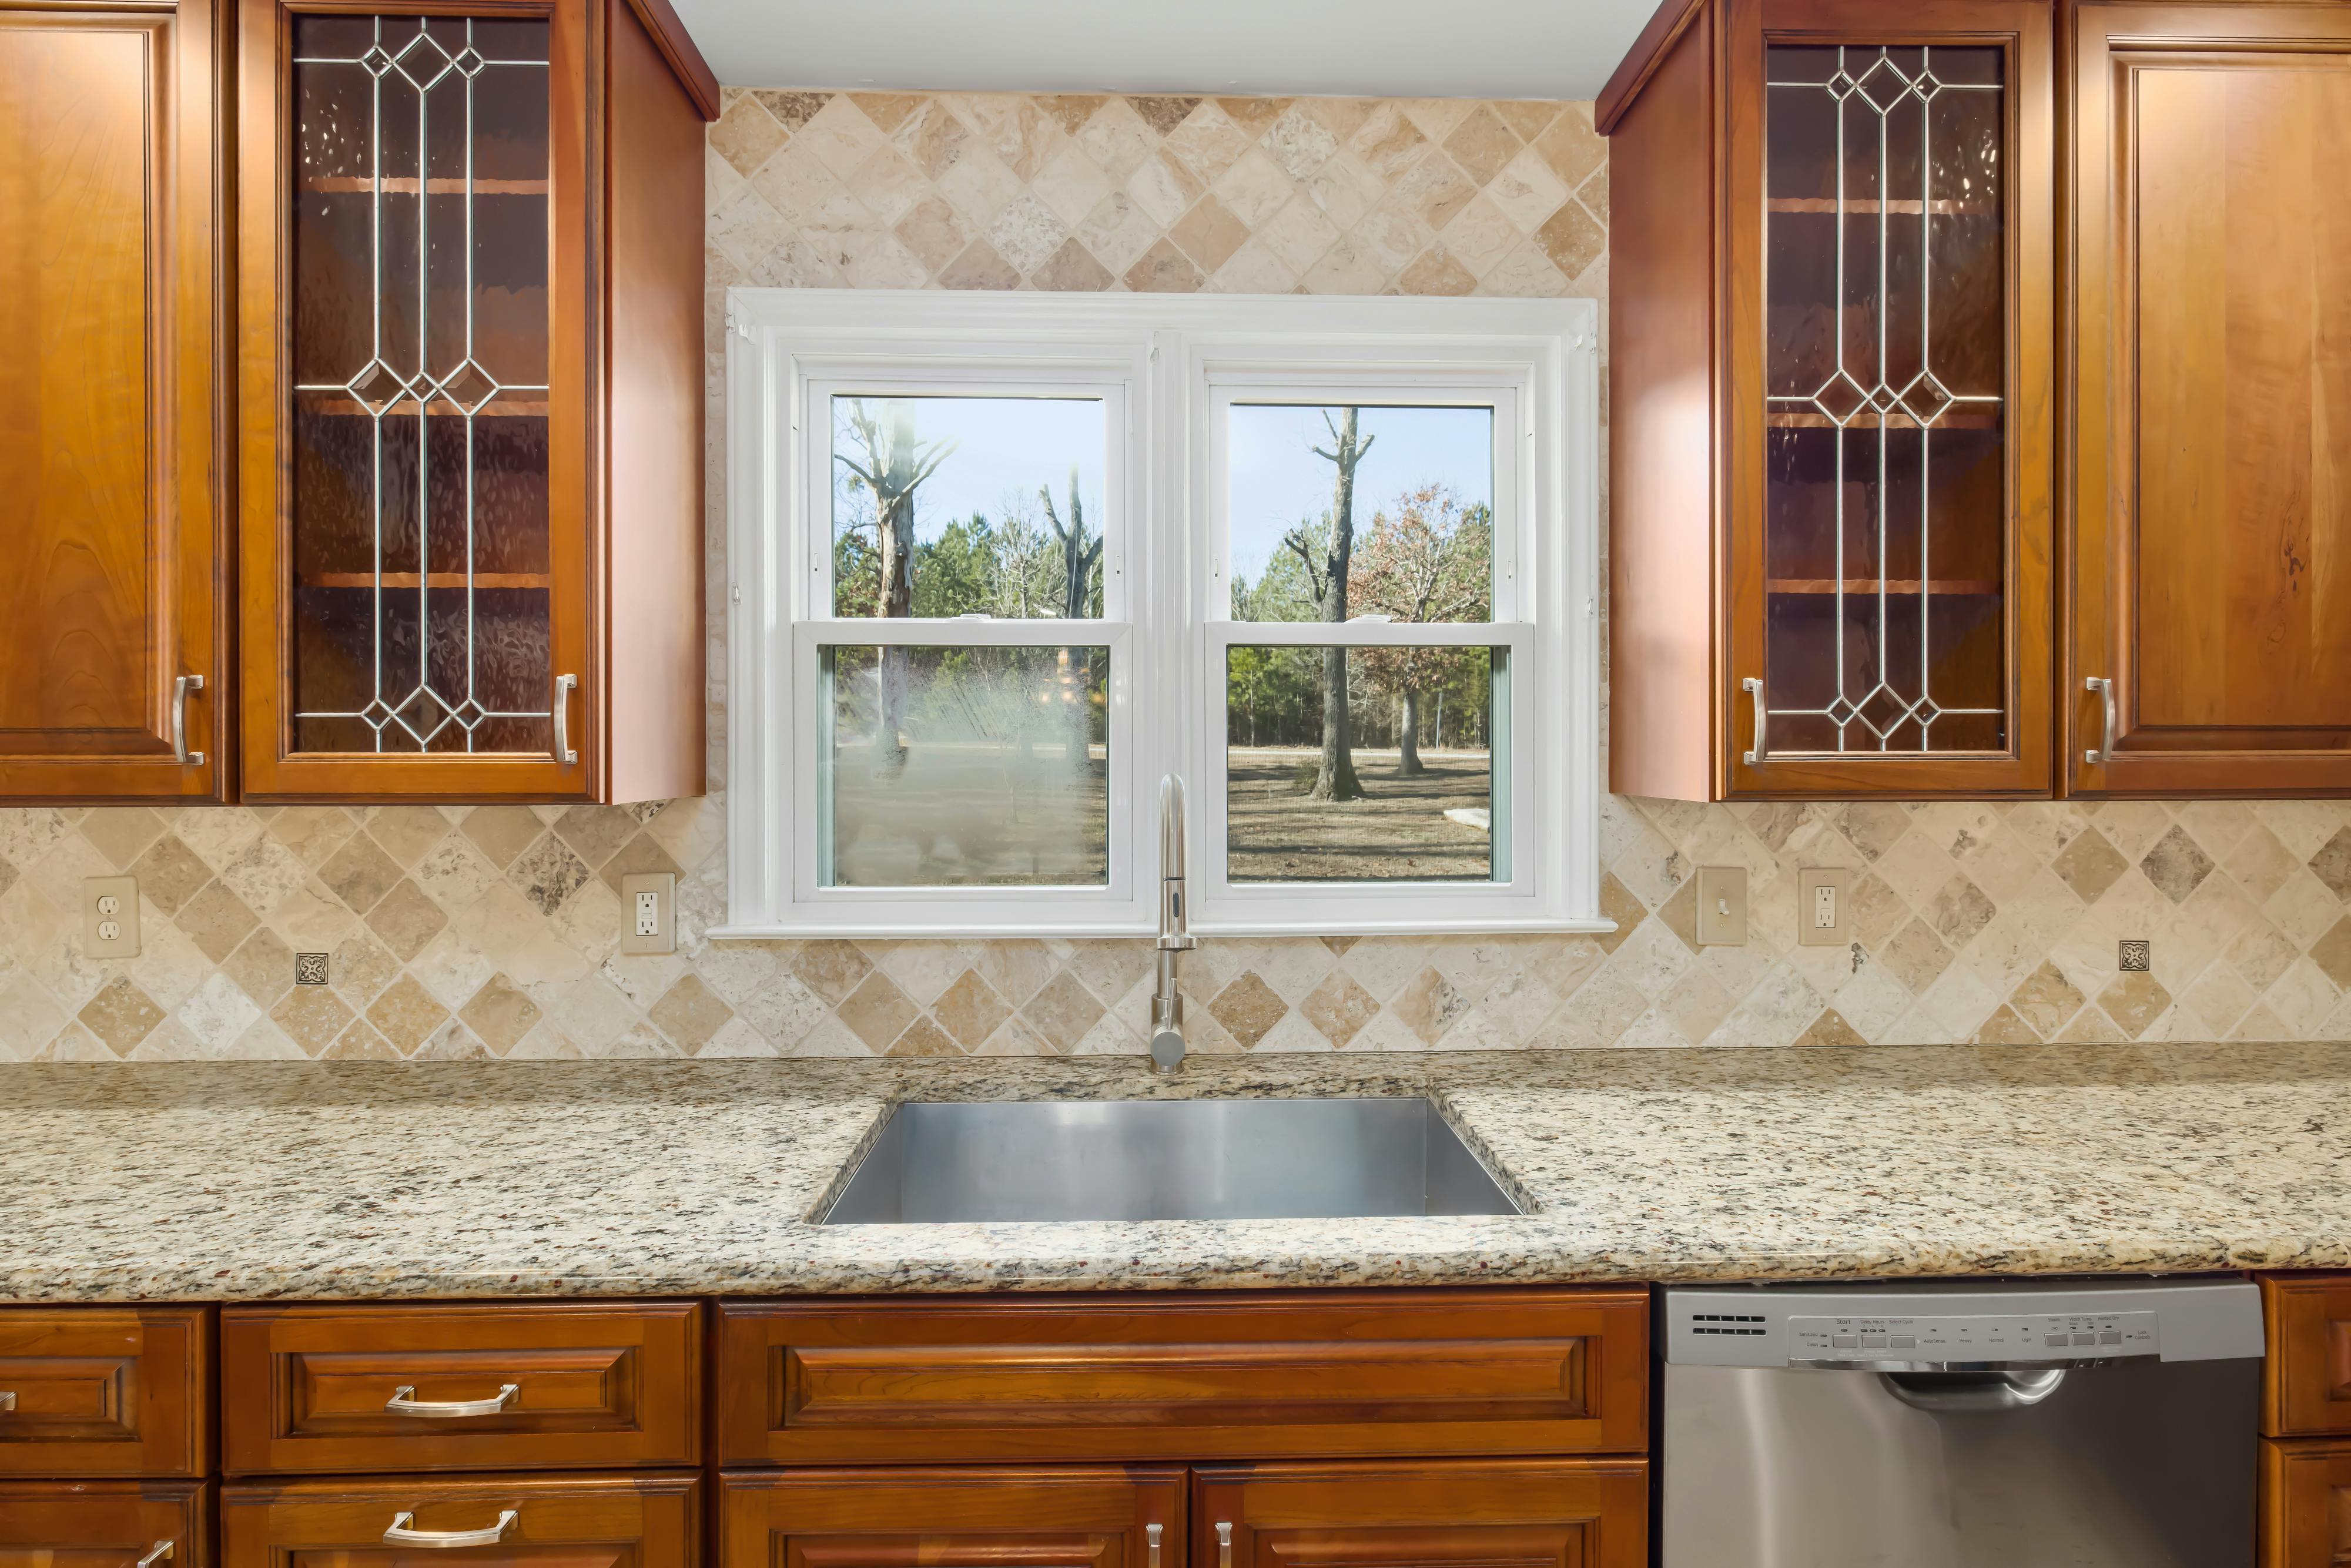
x=1335, y=513
x=965, y=767
x=1400, y=789
x=967, y=505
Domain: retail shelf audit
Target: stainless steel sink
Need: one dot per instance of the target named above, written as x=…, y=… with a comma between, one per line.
x=1164, y=1159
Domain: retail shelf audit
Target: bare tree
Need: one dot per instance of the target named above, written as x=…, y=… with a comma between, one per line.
x=895, y=465
x=1335, y=779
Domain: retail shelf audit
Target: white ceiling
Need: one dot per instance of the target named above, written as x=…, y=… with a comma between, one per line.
x=1387, y=48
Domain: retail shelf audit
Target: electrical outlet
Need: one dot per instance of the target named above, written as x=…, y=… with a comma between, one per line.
x=649, y=905
x=1722, y=907
x=110, y=916
x=1823, y=907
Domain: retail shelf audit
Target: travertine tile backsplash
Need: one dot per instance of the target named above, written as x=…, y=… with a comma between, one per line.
x=492, y=931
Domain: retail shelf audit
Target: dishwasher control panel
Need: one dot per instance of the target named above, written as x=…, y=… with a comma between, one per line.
x=1893, y=1327
x=1971, y=1337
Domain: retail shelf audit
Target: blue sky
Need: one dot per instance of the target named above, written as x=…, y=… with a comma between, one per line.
x=1278, y=481
x=1003, y=445
x=1009, y=445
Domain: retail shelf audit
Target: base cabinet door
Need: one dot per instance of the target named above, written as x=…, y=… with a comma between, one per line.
x=1528, y=1513
x=580, y=1521
x=2306, y=1504
x=105, y=1525
x=1068, y=1516
x=2211, y=615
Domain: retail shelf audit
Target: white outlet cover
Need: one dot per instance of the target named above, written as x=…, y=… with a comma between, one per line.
x=110, y=916
x=663, y=886
x=1810, y=882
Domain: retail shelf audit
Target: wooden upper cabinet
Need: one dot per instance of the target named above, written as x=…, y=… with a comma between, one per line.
x=470, y=365
x=112, y=637
x=1531, y=1513
x=2212, y=550
x=1831, y=400
x=1064, y=1516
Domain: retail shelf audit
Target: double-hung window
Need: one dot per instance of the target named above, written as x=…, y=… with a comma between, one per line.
x=998, y=564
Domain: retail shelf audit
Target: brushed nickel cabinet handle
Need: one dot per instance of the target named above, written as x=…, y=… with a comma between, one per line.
x=1224, y=1544
x=158, y=1553
x=181, y=687
x=400, y=1534
x=1753, y=686
x=563, y=752
x=403, y=1403
x=2106, y=690
x=1150, y=1534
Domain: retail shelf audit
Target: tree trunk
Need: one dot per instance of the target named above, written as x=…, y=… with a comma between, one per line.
x=1408, y=743
x=1335, y=779
x=897, y=537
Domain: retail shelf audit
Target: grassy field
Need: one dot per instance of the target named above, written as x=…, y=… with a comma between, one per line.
x=1398, y=832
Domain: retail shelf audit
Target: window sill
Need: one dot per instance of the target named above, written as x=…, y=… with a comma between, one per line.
x=835, y=930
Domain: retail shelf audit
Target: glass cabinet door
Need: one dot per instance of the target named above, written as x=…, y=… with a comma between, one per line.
x=1892, y=508
x=418, y=537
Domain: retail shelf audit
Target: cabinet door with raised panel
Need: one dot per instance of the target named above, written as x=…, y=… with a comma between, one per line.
x=1066, y=1516
x=1532, y=1513
x=105, y=1525
x=414, y=326
x=2210, y=636
x=1892, y=273
x=110, y=566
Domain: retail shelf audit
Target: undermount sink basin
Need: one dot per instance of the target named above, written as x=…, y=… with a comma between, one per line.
x=947, y=1162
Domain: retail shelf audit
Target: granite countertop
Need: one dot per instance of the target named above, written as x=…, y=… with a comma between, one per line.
x=252, y=1181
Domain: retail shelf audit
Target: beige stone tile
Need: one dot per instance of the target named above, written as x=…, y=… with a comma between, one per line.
x=924, y=1038
x=1527, y=118
x=1072, y=269
x=1437, y=117
x=1435, y=271
x=311, y=1017
x=1526, y=273
x=2176, y=864
x=546, y=873
x=595, y=834
x=970, y=1009
x=406, y=1015
x=933, y=139
x=2135, y=1001
x=2260, y=863
x=169, y=874
x=1298, y=142
x=840, y=136
x=1162, y=113
x=746, y=134
x=1013, y=126
x=1116, y=232
x=1026, y=232
x=2304, y=998
x=1164, y=189
x=1208, y=234
x=361, y=1042
x=360, y=966
x=2303, y=909
x=690, y=1014
x=1207, y=142
x=2331, y=865
x=1116, y=138
x=1479, y=236
x=1482, y=143
x=1343, y=269
x=1571, y=240
x=2218, y=999
x=1070, y=184
x=220, y=834
x=216, y=920
x=1255, y=115
x=122, y=834
x=1163, y=269
x=1570, y=147
x=877, y=1011
x=792, y=109
x=405, y=919
x=2332, y=954
x=502, y=833
x=979, y=267
x=1429, y=1005
x=1070, y=110
x=359, y=873
x=1527, y=192
x=120, y=1016
x=216, y=1013
x=313, y=832
x=1062, y=1012
x=1248, y=1008
x=1338, y=1008
x=640, y=856
x=407, y=833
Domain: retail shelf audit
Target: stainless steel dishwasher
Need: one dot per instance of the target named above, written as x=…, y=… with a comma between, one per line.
x=2081, y=1424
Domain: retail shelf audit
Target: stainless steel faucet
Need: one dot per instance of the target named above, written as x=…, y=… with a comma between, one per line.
x=1175, y=934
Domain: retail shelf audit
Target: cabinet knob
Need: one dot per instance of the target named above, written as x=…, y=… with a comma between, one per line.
x=180, y=690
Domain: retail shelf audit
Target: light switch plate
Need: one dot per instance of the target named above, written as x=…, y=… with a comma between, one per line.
x=1824, y=893
x=661, y=887
x=1722, y=907
x=110, y=916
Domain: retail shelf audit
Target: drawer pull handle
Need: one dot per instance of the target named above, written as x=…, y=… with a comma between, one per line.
x=401, y=1404
x=400, y=1534
x=180, y=686
x=1753, y=688
x=2104, y=690
x=1151, y=1534
x=1224, y=1544
x=564, y=754
x=7, y=1400
x=160, y=1552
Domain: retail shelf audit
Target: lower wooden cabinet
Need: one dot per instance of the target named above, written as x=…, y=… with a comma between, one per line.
x=106, y=1390
x=1530, y=1514
x=105, y=1525
x=2305, y=1503
x=578, y=1521
x=1065, y=1516
x=1469, y=1514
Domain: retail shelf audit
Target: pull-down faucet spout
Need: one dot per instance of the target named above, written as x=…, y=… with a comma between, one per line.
x=1175, y=934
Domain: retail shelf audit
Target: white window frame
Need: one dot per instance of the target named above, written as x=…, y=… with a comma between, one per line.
x=1166, y=366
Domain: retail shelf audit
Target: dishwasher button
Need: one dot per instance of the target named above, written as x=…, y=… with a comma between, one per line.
x=1903, y=1341
x=1842, y=1340
x=2110, y=1336
x=1873, y=1341
x=2056, y=1340
x=2085, y=1339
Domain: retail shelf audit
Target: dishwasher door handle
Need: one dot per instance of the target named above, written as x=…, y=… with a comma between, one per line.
x=1966, y=1393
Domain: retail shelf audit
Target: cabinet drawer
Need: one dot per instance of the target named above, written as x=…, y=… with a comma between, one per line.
x=105, y=1525
x=2306, y=1504
x=1069, y=1516
x=1528, y=1513
x=589, y=1522
x=533, y=1385
x=2306, y=1386
x=1179, y=1377
x=105, y=1391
